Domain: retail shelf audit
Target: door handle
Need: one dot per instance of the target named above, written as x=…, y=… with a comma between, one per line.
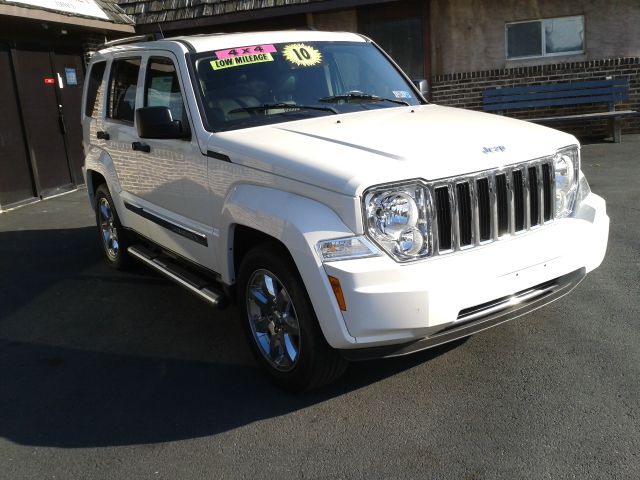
x=63, y=127
x=102, y=135
x=142, y=147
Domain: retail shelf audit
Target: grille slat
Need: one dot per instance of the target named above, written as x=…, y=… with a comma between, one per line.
x=443, y=217
x=534, y=197
x=484, y=209
x=464, y=213
x=491, y=205
x=546, y=191
x=518, y=203
x=503, y=204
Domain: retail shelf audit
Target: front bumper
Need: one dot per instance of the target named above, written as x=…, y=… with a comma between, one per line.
x=414, y=306
x=483, y=317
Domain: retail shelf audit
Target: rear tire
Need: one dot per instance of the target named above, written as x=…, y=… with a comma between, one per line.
x=113, y=237
x=280, y=323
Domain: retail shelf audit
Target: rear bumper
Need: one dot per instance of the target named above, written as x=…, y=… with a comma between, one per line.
x=478, y=318
x=394, y=309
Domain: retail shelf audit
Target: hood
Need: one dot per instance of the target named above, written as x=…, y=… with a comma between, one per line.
x=350, y=152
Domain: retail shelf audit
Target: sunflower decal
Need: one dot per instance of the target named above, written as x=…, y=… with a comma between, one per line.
x=302, y=55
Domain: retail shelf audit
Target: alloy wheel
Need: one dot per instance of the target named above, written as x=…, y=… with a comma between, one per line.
x=108, y=229
x=273, y=320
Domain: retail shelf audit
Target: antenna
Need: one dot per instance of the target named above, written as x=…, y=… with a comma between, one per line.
x=123, y=41
x=161, y=32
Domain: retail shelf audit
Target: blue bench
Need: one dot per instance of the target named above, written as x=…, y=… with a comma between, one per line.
x=564, y=94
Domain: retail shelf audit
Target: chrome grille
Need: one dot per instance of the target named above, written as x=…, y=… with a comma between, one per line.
x=484, y=207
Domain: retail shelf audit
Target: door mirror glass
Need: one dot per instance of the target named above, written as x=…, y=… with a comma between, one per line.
x=158, y=123
x=423, y=86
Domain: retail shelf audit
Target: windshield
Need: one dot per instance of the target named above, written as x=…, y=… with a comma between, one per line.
x=261, y=84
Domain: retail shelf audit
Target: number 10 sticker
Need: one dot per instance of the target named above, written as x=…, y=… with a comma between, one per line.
x=302, y=55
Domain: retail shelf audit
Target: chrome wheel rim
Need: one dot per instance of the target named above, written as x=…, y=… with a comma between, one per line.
x=273, y=320
x=108, y=229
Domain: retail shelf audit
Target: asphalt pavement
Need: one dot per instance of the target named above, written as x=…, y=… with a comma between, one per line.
x=109, y=375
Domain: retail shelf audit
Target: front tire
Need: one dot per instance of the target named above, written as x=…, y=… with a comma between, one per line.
x=280, y=323
x=112, y=235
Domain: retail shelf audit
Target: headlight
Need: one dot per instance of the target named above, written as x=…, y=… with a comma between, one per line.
x=567, y=166
x=397, y=220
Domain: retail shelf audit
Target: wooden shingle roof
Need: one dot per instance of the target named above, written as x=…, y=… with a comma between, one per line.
x=114, y=11
x=159, y=11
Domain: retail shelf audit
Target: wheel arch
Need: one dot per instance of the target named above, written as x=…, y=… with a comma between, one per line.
x=246, y=238
x=253, y=215
x=100, y=169
x=94, y=180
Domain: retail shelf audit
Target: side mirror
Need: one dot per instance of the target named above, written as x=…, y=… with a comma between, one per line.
x=423, y=86
x=157, y=122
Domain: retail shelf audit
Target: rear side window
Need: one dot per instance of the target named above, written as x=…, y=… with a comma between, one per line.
x=94, y=90
x=122, y=89
x=163, y=88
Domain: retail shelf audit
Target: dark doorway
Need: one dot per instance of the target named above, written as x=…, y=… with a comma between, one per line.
x=43, y=120
x=70, y=66
x=16, y=185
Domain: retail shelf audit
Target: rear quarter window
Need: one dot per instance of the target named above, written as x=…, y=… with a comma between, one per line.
x=94, y=90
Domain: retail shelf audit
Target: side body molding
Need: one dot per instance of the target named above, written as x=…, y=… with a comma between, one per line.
x=299, y=223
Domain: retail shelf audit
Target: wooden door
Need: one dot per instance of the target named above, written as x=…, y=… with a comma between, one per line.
x=16, y=183
x=41, y=111
x=70, y=67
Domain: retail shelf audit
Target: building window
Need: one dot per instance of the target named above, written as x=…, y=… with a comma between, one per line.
x=402, y=40
x=543, y=38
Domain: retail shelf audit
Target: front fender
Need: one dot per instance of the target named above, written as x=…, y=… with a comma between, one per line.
x=299, y=223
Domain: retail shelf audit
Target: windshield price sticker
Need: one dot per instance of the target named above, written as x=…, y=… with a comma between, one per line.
x=241, y=51
x=401, y=94
x=241, y=60
x=302, y=55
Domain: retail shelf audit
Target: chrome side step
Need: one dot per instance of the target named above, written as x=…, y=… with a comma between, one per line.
x=174, y=271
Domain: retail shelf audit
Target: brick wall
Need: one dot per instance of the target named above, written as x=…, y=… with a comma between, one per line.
x=464, y=90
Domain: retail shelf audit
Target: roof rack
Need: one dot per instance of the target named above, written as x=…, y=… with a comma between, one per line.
x=148, y=37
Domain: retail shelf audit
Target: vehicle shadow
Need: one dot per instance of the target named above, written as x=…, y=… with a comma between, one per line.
x=90, y=357
x=60, y=397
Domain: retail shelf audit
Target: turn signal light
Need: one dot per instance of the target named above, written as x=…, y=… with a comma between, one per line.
x=337, y=291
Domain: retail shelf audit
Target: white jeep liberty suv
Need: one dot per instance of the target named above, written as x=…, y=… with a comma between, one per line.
x=302, y=175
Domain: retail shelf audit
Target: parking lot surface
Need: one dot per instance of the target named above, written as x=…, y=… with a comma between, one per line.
x=109, y=375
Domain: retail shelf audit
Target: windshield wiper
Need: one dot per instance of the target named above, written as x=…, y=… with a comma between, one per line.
x=361, y=96
x=282, y=105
